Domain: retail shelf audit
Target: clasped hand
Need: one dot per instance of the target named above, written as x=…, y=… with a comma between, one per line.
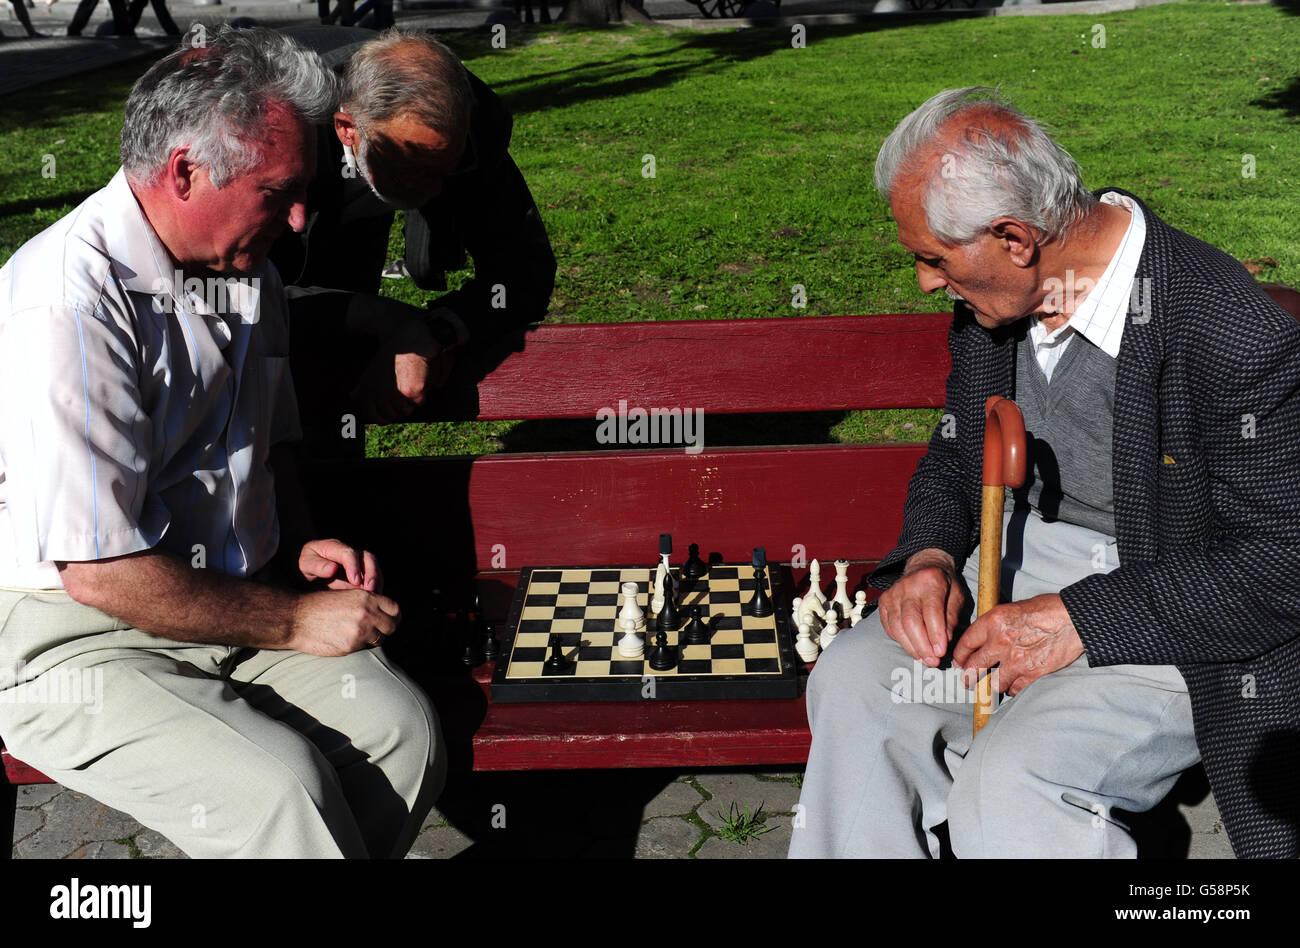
x=350, y=613
x=1026, y=639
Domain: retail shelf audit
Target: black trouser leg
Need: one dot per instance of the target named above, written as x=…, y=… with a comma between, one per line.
x=121, y=18
x=164, y=18
x=79, y=19
x=20, y=8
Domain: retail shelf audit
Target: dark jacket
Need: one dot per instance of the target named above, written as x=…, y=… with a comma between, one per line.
x=1206, y=464
x=485, y=211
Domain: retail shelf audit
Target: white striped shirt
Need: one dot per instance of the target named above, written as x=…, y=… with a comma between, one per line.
x=135, y=413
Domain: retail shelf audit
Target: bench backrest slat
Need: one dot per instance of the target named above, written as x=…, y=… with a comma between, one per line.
x=830, y=363
x=506, y=511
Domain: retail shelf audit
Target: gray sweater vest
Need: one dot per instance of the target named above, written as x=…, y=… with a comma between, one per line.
x=1068, y=426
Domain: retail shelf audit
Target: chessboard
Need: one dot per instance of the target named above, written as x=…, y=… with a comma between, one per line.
x=745, y=657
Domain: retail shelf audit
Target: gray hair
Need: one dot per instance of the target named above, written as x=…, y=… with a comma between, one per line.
x=214, y=99
x=984, y=160
x=407, y=74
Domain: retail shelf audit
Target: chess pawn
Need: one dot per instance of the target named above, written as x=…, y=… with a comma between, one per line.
x=795, y=610
x=841, y=599
x=630, y=645
x=631, y=608
x=859, y=607
x=815, y=585
x=830, y=630
x=805, y=645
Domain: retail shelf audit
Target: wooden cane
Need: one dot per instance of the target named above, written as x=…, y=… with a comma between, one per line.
x=1004, y=466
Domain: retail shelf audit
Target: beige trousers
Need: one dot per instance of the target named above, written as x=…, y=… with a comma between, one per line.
x=285, y=755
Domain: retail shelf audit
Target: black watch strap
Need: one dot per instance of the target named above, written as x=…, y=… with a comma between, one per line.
x=443, y=332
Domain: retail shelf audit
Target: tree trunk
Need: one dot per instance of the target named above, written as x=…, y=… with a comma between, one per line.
x=600, y=12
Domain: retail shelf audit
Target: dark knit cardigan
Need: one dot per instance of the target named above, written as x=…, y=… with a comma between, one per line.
x=1206, y=464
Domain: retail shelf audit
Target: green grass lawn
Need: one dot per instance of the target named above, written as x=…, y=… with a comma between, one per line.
x=763, y=155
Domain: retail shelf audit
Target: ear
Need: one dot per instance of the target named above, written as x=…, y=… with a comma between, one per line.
x=346, y=129
x=1017, y=238
x=178, y=178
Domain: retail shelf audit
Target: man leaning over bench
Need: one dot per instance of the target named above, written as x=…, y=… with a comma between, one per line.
x=141, y=393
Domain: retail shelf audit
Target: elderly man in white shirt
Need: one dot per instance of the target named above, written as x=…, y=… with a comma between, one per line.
x=143, y=389
x=891, y=704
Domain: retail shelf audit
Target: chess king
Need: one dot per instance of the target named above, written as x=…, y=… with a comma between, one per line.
x=1150, y=612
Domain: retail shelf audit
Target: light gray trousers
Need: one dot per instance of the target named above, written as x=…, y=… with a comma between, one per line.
x=892, y=755
x=288, y=755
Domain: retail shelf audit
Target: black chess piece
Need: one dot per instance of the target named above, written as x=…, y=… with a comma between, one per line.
x=484, y=640
x=557, y=662
x=473, y=654
x=694, y=567
x=696, y=632
x=669, y=619
x=761, y=605
x=491, y=648
x=663, y=656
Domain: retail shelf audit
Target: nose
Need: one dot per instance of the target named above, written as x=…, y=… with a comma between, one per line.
x=929, y=278
x=298, y=216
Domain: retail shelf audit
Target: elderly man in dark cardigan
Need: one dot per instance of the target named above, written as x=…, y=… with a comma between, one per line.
x=1150, y=612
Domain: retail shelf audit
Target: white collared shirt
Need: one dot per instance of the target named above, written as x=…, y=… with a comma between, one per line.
x=1100, y=317
x=135, y=412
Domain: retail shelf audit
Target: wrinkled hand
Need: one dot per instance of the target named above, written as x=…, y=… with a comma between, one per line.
x=408, y=366
x=323, y=560
x=920, y=611
x=340, y=622
x=1026, y=640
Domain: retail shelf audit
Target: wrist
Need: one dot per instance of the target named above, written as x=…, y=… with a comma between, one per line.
x=446, y=328
x=928, y=559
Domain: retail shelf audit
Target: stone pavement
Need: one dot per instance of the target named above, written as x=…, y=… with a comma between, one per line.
x=648, y=814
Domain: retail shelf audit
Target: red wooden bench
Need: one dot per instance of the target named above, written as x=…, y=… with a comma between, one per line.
x=444, y=521
x=450, y=518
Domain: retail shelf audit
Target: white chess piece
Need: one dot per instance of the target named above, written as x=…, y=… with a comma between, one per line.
x=841, y=599
x=631, y=608
x=815, y=584
x=859, y=607
x=830, y=630
x=631, y=644
x=805, y=645
x=657, y=605
x=812, y=612
x=795, y=610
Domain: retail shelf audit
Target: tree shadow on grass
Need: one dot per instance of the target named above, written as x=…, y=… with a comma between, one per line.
x=66, y=200
x=629, y=74
x=1286, y=98
x=99, y=89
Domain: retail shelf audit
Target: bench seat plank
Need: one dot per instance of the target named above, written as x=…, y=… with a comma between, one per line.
x=587, y=735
